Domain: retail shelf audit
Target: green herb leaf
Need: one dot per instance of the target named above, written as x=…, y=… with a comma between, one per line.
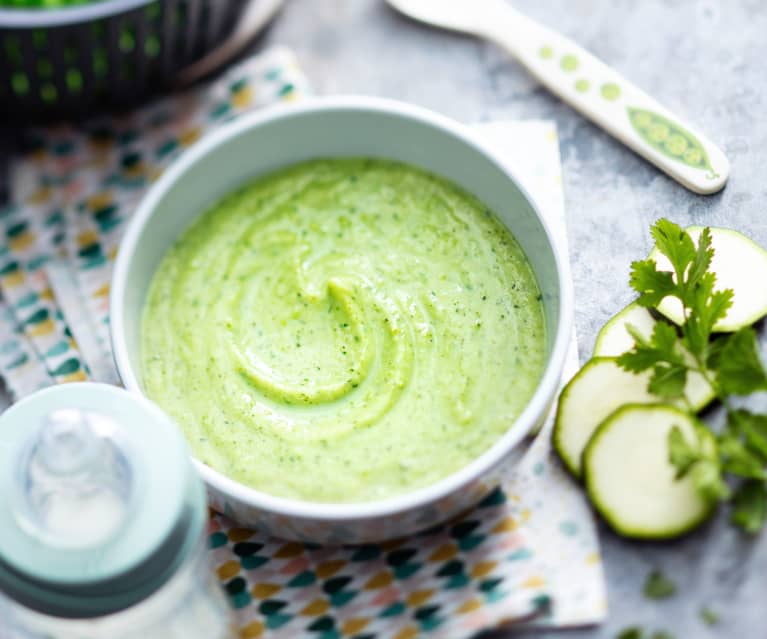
x=635, y=632
x=738, y=459
x=740, y=370
x=707, y=308
x=675, y=244
x=713, y=353
x=638, y=336
x=750, y=506
x=668, y=380
x=658, y=586
x=682, y=454
x=661, y=354
x=670, y=353
x=706, y=475
x=703, y=256
x=752, y=427
x=640, y=359
x=651, y=284
x=699, y=462
x=664, y=339
x=708, y=616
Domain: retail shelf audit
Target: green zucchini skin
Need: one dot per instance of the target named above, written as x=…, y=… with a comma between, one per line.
x=700, y=508
x=613, y=340
x=740, y=264
x=614, y=380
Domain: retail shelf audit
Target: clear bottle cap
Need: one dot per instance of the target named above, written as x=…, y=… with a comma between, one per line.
x=99, y=501
x=76, y=480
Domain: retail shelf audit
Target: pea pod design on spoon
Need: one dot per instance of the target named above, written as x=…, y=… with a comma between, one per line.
x=671, y=139
x=588, y=85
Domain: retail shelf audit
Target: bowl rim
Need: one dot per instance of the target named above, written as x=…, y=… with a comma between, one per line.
x=536, y=408
x=42, y=17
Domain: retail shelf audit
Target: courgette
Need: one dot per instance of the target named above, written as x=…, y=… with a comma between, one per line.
x=631, y=481
x=740, y=264
x=614, y=340
x=599, y=388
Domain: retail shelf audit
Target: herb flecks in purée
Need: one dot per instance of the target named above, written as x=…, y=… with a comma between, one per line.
x=344, y=330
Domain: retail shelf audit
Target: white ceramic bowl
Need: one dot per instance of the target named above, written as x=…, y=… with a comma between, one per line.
x=260, y=142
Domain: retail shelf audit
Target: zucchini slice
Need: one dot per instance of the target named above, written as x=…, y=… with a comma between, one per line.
x=599, y=388
x=614, y=340
x=631, y=481
x=739, y=264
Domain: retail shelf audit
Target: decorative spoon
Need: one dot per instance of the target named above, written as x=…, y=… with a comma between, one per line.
x=587, y=84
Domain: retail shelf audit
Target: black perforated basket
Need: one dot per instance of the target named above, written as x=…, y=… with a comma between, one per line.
x=64, y=62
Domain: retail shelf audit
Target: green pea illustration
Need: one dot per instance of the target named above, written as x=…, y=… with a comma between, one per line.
x=676, y=145
x=693, y=157
x=610, y=91
x=569, y=63
x=658, y=132
x=546, y=52
x=671, y=139
x=641, y=120
x=582, y=85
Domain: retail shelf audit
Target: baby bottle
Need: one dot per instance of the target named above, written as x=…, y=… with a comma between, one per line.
x=102, y=522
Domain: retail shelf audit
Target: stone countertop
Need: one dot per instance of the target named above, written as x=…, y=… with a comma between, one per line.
x=706, y=61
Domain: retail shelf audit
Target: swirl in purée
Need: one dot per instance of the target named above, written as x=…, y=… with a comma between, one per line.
x=343, y=330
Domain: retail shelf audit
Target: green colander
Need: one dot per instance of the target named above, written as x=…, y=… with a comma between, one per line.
x=66, y=61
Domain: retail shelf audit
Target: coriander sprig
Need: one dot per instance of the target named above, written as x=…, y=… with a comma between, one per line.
x=730, y=364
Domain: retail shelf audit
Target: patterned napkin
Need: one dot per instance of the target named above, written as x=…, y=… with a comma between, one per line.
x=528, y=552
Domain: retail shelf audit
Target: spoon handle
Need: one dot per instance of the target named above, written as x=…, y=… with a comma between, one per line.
x=608, y=99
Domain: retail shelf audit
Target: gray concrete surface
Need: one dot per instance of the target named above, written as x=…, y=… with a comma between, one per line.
x=704, y=60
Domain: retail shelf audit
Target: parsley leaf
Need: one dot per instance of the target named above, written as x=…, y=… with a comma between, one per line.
x=708, y=616
x=651, y=284
x=635, y=632
x=682, y=454
x=707, y=479
x=675, y=244
x=658, y=586
x=750, y=506
x=739, y=367
x=692, y=284
x=707, y=307
x=640, y=359
x=700, y=461
x=703, y=256
x=664, y=338
x=752, y=428
x=738, y=459
x=713, y=354
x=668, y=380
x=731, y=365
x=661, y=354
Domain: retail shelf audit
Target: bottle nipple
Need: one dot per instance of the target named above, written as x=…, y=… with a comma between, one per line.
x=74, y=480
